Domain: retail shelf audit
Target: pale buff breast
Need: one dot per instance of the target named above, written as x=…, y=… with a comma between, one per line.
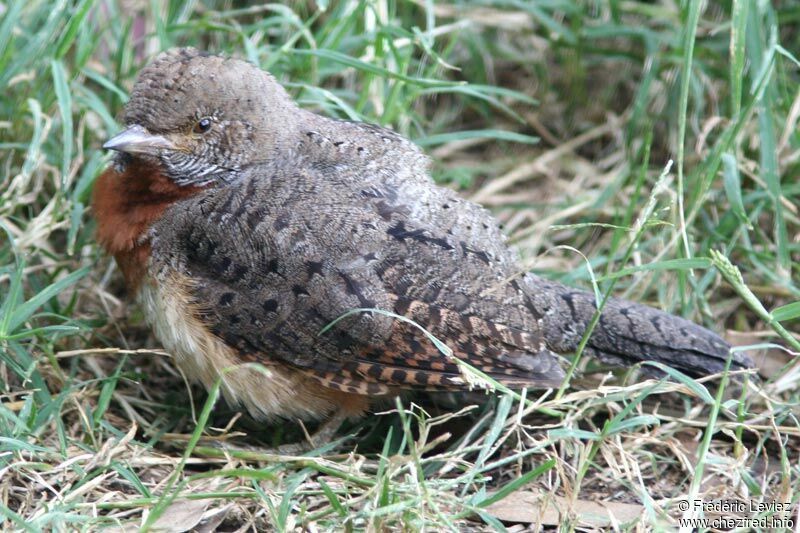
x=267, y=390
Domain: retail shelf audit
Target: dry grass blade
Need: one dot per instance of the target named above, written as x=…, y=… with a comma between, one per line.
x=99, y=431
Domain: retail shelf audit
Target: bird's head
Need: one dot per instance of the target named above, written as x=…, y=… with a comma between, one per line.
x=202, y=118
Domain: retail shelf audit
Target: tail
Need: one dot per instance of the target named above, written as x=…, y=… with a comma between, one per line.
x=628, y=333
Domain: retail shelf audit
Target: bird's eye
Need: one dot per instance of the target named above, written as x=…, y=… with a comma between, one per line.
x=203, y=125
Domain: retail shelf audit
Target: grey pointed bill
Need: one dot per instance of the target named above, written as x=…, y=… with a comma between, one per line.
x=137, y=140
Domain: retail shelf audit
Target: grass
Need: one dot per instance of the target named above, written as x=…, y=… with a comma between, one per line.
x=562, y=118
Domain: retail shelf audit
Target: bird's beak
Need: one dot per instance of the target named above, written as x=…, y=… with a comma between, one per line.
x=137, y=140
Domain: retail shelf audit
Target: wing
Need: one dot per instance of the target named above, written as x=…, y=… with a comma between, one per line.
x=282, y=260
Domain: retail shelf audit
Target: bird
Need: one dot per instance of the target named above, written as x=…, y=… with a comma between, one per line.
x=313, y=267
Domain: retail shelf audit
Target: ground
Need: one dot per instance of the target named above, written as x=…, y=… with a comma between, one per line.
x=650, y=149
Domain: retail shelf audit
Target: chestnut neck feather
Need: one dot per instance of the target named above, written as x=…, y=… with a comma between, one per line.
x=125, y=205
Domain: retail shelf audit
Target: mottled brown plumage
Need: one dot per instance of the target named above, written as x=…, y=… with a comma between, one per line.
x=251, y=225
